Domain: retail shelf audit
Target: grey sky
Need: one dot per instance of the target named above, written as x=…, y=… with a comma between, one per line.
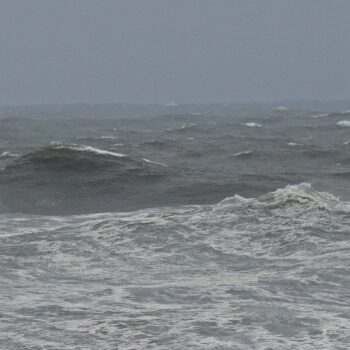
x=67, y=51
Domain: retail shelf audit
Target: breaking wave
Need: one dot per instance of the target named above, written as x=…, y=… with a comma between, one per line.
x=243, y=154
x=302, y=194
x=6, y=154
x=345, y=123
x=79, y=157
x=69, y=178
x=253, y=125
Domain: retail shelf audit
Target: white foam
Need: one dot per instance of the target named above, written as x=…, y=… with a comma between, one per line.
x=163, y=269
x=294, y=144
x=319, y=115
x=6, y=154
x=108, y=137
x=253, y=125
x=100, y=151
x=344, y=123
x=83, y=148
x=152, y=162
x=243, y=153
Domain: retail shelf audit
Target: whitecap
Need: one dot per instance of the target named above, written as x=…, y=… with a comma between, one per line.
x=294, y=144
x=100, y=151
x=83, y=148
x=152, y=162
x=344, y=123
x=253, y=125
x=243, y=153
x=302, y=193
x=319, y=115
x=6, y=154
x=108, y=137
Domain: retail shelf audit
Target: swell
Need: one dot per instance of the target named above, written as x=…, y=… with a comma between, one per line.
x=74, y=157
x=69, y=178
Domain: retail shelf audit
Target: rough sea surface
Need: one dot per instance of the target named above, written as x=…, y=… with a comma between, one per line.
x=174, y=227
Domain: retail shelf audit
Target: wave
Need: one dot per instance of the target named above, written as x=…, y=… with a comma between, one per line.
x=253, y=125
x=294, y=144
x=302, y=194
x=70, y=178
x=78, y=157
x=320, y=115
x=83, y=148
x=81, y=158
x=6, y=154
x=152, y=162
x=59, y=156
x=242, y=154
x=345, y=123
x=298, y=201
x=107, y=137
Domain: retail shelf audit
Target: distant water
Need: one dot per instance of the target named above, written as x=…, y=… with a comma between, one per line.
x=174, y=227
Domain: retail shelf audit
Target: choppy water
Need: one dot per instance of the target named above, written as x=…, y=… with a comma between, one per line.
x=174, y=227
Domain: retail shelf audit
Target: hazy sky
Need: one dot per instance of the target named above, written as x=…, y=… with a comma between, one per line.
x=63, y=51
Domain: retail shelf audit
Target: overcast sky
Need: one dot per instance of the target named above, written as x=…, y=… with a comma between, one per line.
x=64, y=51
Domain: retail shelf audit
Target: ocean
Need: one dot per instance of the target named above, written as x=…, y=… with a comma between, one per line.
x=205, y=226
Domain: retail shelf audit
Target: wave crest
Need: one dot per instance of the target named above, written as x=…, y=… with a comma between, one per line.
x=76, y=157
x=345, y=123
x=302, y=194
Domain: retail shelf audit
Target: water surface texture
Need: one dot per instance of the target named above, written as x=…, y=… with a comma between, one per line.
x=174, y=227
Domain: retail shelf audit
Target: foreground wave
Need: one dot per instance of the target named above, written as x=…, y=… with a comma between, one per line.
x=266, y=272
